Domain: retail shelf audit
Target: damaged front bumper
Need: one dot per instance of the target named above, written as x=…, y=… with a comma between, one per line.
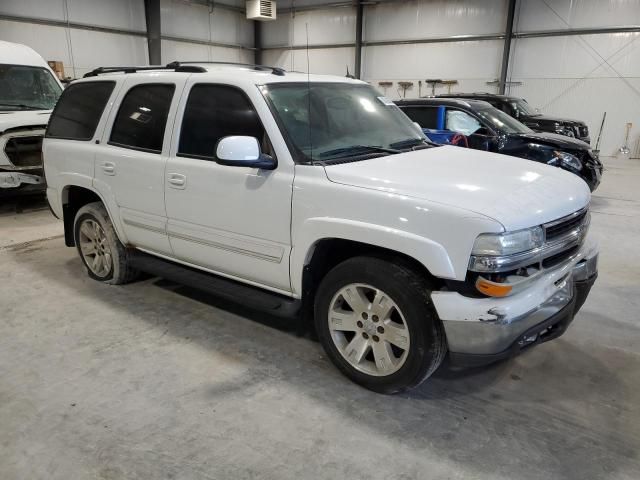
x=16, y=179
x=19, y=183
x=485, y=330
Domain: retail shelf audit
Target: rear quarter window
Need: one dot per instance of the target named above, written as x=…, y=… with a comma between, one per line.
x=78, y=110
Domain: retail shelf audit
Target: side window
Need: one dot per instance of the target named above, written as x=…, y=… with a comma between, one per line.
x=142, y=117
x=461, y=122
x=78, y=111
x=213, y=112
x=426, y=117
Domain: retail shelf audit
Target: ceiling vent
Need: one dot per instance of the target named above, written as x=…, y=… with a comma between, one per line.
x=261, y=10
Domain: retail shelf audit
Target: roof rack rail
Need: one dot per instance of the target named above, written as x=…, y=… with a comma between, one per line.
x=275, y=70
x=175, y=66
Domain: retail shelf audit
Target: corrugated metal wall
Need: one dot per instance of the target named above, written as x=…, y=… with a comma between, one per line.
x=581, y=76
x=578, y=76
x=194, y=29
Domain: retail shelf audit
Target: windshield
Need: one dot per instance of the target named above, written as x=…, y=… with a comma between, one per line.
x=523, y=108
x=327, y=121
x=27, y=88
x=502, y=122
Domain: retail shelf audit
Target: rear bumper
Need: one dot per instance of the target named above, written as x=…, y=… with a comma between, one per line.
x=485, y=330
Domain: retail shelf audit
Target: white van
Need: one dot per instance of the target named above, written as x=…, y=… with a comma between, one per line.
x=28, y=92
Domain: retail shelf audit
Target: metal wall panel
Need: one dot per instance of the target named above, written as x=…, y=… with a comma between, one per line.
x=95, y=49
x=51, y=9
x=204, y=23
x=417, y=19
x=183, y=51
x=124, y=14
x=584, y=76
x=473, y=64
x=49, y=42
x=331, y=61
x=537, y=15
x=329, y=26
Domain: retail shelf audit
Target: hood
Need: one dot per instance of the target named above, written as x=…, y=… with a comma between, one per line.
x=23, y=118
x=544, y=118
x=517, y=193
x=555, y=140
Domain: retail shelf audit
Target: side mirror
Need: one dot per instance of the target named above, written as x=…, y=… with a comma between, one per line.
x=242, y=151
x=418, y=127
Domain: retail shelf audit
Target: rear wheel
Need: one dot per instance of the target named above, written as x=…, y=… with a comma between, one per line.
x=102, y=253
x=375, y=321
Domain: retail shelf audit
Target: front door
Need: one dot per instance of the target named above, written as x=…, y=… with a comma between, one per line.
x=234, y=221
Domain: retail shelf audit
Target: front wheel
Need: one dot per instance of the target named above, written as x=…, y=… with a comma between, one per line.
x=375, y=320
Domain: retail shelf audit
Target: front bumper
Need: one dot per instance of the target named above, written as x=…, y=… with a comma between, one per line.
x=485, y=330
x=14, y=179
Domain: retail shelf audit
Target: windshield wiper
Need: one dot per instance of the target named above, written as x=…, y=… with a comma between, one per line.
x=22, y=105
x=356, y=149
x=411, y=143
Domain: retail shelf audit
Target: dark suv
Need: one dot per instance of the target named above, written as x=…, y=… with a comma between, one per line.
x=520, y=109
x=476, y=124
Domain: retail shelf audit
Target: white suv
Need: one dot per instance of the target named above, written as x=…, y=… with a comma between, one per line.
x=317, y=197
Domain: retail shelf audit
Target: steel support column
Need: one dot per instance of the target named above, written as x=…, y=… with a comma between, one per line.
x=257, y=42
x=506, y=51
x=358, y=59
x=152, y=15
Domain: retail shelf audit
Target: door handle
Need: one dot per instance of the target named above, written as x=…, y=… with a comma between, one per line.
x=109, y=168
x=177, y=180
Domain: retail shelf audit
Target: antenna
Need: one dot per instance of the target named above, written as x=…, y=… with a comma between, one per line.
x=348, y=75
x=306, y=25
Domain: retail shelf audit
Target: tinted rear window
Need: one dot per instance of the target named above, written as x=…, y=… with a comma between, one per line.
x=142, y=117
x=426, y=117
x=78, y=110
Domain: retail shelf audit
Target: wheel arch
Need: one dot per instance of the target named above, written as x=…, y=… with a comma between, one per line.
x=73, y=198
x=327, y=252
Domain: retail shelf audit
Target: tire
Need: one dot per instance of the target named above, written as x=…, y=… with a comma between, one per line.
x=395, y=359
x=93, y=232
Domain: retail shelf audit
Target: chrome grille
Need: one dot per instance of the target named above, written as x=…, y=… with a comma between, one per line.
x=24, y=151
x=558, y=228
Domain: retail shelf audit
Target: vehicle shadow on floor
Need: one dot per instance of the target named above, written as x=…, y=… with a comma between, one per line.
x=558, y=411
x=551, y=399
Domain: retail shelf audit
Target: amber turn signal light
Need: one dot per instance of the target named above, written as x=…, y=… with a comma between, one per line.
x=493, y=289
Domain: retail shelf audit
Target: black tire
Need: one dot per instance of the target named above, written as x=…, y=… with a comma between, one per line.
x=120, y=270
x=411, y=293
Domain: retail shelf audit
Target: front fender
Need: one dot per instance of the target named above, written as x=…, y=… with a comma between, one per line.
x=429, y=253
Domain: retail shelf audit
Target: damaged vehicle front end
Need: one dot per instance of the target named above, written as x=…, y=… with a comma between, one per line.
x=523, y=288
x=21, y=170
x=28, y=92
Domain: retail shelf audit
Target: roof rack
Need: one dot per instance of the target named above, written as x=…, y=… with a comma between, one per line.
x=181, y=67
x=275, y=70
x=175, y=66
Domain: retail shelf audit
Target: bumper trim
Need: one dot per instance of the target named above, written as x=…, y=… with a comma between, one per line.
x=549, y=329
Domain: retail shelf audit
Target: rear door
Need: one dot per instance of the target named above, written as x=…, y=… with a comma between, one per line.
x=131, y=158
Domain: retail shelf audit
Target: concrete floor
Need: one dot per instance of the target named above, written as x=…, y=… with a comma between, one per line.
x=151, y=381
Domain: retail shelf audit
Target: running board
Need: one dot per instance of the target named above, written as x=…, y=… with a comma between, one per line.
x=248, y=296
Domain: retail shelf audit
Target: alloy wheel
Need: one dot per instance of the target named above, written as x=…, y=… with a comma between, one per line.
x=368, y=329
x=95, y=248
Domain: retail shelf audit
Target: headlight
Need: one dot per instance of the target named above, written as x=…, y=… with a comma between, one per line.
x=508, y=243
x=566, y=159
